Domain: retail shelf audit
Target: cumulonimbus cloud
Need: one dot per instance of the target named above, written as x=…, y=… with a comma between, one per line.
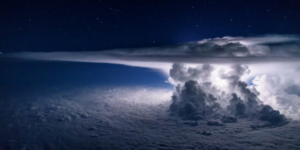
x=198, y=99
x=268, y=54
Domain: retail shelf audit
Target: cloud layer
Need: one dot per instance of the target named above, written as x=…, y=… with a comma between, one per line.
x=268, y=48
x=124, y=118
x=220, y=50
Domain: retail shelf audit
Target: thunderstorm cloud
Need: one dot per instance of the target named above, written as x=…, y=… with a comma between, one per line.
x=235, y=75
x=228, y=86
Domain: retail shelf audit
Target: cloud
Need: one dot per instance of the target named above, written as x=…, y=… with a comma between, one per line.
x=236, y=106
x=218, y=71
x=124, y=118
x=197, y=99
x=256, y=49
x=233, y=75
x=226, y=49
x=266, y=113
x=280, y=92
x=181, y=73
x=293, y=89
x=192, y=102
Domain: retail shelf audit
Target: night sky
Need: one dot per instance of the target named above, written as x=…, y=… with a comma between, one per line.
x=149, y=74
x=104, y=24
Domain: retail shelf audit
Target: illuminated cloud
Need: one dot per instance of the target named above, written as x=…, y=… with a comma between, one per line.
x=264, y=55
x=268, y=48
x=198, y=96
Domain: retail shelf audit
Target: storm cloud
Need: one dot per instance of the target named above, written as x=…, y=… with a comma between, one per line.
x=222, y=69
x=209, y=101
x=198, y=99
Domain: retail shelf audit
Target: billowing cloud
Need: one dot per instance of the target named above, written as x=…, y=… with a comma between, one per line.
x=193, y=102
x=198, y=99
x=266, y=56
x=181, y=73
x=281, y=92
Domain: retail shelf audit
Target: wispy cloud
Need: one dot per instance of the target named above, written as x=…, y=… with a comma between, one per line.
x=268, y=48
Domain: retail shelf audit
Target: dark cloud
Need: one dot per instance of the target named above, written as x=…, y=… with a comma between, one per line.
x=251, y=98
x=214, y=123
x=236, y=106
x=191, y=102
x=229, y=119
x=293, y=89
x=191, y=123
x=266, y=113
x=206, y=133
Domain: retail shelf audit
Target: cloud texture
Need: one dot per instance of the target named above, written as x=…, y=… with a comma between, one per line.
x=124, y=118
x=268, y=48
x=197, y=97
x=272, y=59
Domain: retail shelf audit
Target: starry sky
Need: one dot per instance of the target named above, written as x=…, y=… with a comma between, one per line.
x=149, y=74
x=45, y=26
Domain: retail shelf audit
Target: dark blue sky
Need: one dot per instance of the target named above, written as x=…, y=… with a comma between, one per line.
x=22, y=75
x=106, y=24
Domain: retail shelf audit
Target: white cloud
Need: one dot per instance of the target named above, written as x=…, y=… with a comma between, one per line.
x=245, y=50
x=272, y=89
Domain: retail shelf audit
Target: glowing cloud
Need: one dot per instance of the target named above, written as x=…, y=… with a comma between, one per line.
x=266, y=56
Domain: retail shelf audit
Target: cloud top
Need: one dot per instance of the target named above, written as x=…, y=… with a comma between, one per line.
x=256, y=49
x=259, y=48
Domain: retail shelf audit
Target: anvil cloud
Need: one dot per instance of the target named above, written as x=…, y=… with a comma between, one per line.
x=256, y=49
